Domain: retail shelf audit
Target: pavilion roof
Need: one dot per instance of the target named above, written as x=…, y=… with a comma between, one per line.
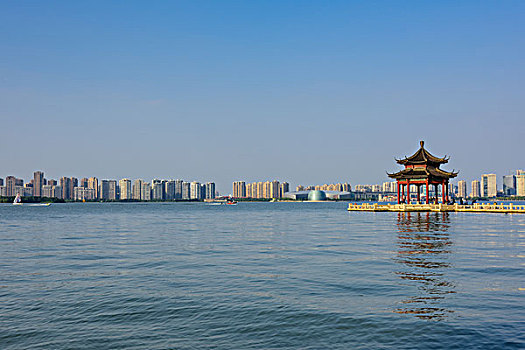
x=422, y=156
x=422, y=172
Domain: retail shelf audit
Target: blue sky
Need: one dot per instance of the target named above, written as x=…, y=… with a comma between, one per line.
x=308, y=92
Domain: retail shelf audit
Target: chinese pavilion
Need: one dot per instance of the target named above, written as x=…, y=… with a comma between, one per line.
x=422, y=169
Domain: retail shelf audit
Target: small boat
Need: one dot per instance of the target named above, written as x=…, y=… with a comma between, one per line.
x=18, y=200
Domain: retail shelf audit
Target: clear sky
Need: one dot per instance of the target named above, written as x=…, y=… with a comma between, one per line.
x=308, y=92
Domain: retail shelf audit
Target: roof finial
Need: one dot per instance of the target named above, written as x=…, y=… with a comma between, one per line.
x=421, y=143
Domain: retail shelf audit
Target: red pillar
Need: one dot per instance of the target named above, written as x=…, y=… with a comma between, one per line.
x=418, y=194
x=398, y=197
x=443, y=192
x=427, y=192
x=436, y=192
x=408, y=191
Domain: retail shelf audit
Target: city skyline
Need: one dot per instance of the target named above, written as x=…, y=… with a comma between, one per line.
x=486, y=185
x=312, y=91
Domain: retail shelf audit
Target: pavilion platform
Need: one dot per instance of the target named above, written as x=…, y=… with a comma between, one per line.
x=507, y=208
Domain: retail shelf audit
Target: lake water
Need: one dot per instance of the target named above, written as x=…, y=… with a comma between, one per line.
x=258, y=276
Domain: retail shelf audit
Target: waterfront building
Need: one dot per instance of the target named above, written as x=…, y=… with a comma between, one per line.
x=136, y=189
x=210, y=190
x=1, y=182
x=284, y=188
x=266, y=189
x=520, y=184
x=125, y=188
x=3, y=191
x=65, y=183
x=113, y=193
x=185, y=190
x=195, y=190
x=38, y=182
x=83, y=193
x=83, y=182
x=462, y=189
x=73, y=182
x=145, y=192
x=93, y=184
x=488, y=185
x=11, y=184
x=259, y=189
x=274, y=189
x=169, y=190
x=475, y=186
x=103, y=192
x=56, y=191
x=239, y=189
x=422, y=169
x=52, y=182
x=178, y=189
x=249, y=190
x=157, y=190
x=26, y=190
x=509, y=185
x=47, y=191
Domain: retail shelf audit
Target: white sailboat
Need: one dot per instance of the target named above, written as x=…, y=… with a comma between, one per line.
x=18, y=200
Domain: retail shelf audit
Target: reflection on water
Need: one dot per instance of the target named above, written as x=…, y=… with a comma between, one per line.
x=423, y=254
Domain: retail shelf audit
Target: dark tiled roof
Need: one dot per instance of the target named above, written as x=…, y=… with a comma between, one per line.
x=422, y=156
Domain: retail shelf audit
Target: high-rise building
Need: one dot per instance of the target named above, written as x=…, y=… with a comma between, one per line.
x=248, y=190
x=520, y=184
x=195, y=190
x=283, y=188
x=475, y=189
x=145, y=192
x=57, y=191
x=11, y=182
x=38, y=182
x=103, y=192
x=113, y=190
x=266, y=189
x=73, y=182
x=186, y=190
x=239, y=189
x=178, y=189
x=210, y=190
x=1, y=181
x=136, y=189
x=157, y=190
x=488, y=185
x=169, y=190
x=93, y=184
x=47, y=191
x=125, y=188
x=83, y=182
x=65, y=184
x=274, y=189
x=509, y=185
x=462, y=189
x=52, y=182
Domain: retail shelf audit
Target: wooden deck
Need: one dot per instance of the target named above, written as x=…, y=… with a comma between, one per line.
x=475, y=208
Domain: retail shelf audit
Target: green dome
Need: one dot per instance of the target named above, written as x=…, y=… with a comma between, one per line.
x=316, y=195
